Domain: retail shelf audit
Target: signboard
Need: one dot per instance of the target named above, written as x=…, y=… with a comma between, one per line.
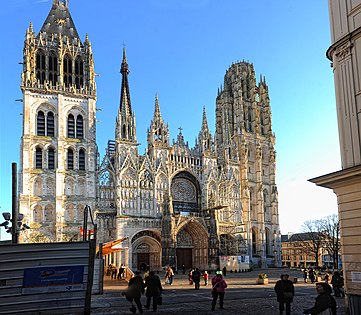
x=355, y=276
x=53, y=279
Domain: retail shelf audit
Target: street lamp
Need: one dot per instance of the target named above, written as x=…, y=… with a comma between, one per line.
x=19, y=226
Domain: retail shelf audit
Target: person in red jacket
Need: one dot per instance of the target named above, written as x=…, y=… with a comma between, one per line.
x=218, y=289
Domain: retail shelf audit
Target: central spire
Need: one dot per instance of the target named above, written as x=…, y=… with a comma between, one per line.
x=125, y=105
x=125, y=129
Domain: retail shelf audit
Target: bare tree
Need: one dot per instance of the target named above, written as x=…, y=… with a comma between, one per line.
x=331, y=228
x=311, y=240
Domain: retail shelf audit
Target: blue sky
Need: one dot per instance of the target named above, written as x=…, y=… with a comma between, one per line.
x=181, y=50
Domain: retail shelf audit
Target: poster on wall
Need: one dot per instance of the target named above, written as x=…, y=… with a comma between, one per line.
x=53, y=279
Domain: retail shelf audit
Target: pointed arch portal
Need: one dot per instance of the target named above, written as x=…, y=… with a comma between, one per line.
x=192, y=245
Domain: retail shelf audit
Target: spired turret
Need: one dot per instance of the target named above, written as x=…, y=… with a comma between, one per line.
x=56, y=59
x=204, y=143
x=158, y=132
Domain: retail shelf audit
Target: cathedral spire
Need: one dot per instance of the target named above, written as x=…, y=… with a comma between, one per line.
x=125, y=105
x=204, y=121
x=157, y=115
x=125, y=123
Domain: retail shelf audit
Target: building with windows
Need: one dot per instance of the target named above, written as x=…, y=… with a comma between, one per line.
x=296, y=253
x=176, y=204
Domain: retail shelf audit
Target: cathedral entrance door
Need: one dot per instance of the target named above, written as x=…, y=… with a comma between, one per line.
x=143, y=261
x=184, y=257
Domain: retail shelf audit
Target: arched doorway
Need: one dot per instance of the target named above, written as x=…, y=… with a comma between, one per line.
x=146, y=251
x=192, y=245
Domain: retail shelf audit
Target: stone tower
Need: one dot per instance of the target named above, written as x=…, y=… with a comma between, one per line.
x=58, y=149
x=245, y=143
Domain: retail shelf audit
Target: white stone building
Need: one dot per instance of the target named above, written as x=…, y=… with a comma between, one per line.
x=175, y=204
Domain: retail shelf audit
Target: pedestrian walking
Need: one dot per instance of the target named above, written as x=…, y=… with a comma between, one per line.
x=224, y=270
x=190, y=276
x=120, y=272
x=196, y=278
x=218, y=289
x=305, y=275
x=285, y=291
x=134, y=292
x=335, y=281
x=184, y=269
x=205, y=277
x=169, y=273
x=113, y=270
x=341, y=285
x=327, y=277
x=153, y=290
x=325, y=303
x=311, y=275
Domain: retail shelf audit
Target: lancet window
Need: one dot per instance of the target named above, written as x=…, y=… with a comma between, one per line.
x=79, y=72
x=38, y=158
x=67, y=70
x=82, y=159
x=50, y=125
x=40, y=66
x=70, y=159
x=53, y=68
x=51, y=159
x=71, y=126
x=40, y=124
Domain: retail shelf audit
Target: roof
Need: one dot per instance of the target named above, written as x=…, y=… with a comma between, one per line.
x=60, y=21
x=110, y=247
x=297, y=237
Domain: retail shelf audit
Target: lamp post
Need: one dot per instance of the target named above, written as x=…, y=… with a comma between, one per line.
x=15, y=234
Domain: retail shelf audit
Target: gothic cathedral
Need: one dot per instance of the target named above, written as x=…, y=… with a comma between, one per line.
x=175, y=204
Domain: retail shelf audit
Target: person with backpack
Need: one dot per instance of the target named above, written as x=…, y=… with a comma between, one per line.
x=134, y=292
x=218, y=289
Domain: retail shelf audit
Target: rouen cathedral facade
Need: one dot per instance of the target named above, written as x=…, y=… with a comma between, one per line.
x=175, y=204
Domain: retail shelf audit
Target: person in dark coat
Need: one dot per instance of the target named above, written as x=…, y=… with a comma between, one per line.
x=285, y=291
x=154, y=290
x=305, y=275
x=218, y=289
x=311, y=275
x=134, y=291
x=324, y=300
x=196, y=278
x=335, y=281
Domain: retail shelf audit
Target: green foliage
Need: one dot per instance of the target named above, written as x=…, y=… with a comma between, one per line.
x=262, y=276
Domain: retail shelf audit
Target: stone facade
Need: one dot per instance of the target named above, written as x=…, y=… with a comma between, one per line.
x=175, y=204
x=186, y=206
